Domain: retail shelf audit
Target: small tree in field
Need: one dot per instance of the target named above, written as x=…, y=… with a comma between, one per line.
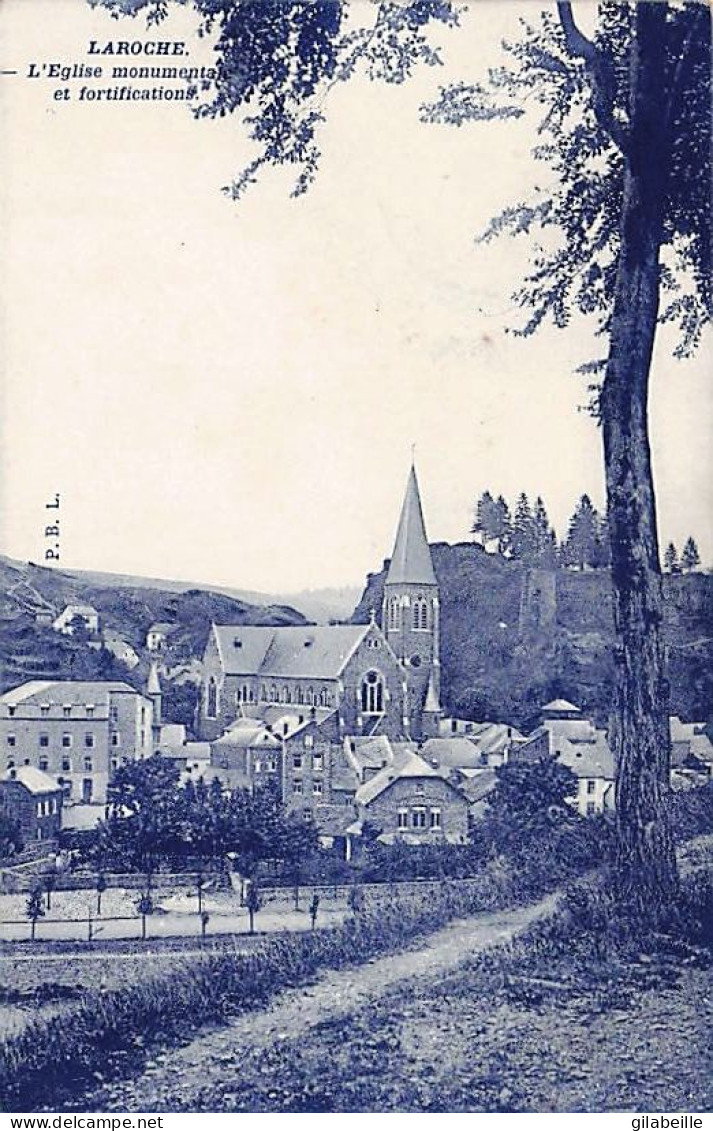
x=253, y=902
x=313, y=909
x=34, y=909
x=145, y=906
x=101, y=886
x=49, y=880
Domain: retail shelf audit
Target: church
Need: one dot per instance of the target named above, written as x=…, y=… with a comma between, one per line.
x=367, y=679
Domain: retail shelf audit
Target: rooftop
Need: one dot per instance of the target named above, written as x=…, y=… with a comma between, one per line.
x=310, y=652
x=36, y=781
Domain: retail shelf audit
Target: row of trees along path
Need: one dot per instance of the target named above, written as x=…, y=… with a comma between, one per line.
x=625, y=134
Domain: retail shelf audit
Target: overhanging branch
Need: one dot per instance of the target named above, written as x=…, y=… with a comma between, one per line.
x=600, y=71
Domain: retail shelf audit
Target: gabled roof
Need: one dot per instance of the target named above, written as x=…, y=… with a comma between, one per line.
x=560, y=705
x=406, y=764
x=310, y=652
x=79, y=610
x=589, y=759
x=36, y=781
x=248, y=732
x=457, y=752
x=411, y=559
x=63, y=691
x=164, y=627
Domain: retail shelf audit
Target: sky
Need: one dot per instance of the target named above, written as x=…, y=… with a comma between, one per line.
x=229, y=393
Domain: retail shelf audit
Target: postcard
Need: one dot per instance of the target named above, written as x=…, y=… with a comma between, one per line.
x=356, y=704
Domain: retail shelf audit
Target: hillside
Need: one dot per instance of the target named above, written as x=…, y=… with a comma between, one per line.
x=32, y=650
x=513, y=638
x=317, y=605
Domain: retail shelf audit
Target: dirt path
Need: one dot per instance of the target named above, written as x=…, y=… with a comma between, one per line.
x=172, y=1080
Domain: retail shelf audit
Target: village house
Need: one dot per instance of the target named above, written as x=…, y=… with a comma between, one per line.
x=158, y=634
x=566, y=735
x=78, y=732
x=72, y=615
x=691, y=748
x=247, y=756
x=377, y=678
x=33, y=800
x=410, y=801
x=124, y=652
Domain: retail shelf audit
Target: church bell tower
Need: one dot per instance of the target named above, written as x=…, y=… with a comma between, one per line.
x=410, y=615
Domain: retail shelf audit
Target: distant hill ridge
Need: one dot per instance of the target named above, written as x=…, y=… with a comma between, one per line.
x=32, y=650
x=319, y=605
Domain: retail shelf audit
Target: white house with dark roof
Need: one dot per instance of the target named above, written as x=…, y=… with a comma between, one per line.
x=68, y=618
x=380, y=680
x=158, y=634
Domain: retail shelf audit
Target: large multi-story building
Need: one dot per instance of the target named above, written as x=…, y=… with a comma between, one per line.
x=78, y=732
x=378, y=679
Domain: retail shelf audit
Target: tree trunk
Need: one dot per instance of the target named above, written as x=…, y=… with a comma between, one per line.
x=645, y=864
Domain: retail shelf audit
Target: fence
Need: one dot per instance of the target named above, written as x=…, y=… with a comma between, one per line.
x=13, y=882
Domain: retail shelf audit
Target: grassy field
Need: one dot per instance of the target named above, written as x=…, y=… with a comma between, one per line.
x=525, y=1029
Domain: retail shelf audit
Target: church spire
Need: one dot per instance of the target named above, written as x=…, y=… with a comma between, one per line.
x=411, y=559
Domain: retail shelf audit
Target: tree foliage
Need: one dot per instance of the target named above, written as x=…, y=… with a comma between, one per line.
x=152, y=816
x=582, y=90
x=10, y=836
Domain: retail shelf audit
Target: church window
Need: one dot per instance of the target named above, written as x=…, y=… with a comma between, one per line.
x=372, y=694
x=310, y=695
x=211, y=708
x=300, y=695
x=394, y=614
x=420, y=614
x=273, y=693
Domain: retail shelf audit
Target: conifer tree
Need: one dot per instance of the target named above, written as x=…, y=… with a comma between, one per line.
x=670, y=559
x=690, y=558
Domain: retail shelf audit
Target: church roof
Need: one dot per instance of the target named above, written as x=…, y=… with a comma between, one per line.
x=310, y=652
x=411, y=559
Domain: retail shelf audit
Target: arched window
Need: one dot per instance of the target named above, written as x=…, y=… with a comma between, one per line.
x=245, y=693
x=288, y=698
x=310, y=695
x=273, y=693
x=211, y=706
x=420, y=614
x=394, y=613
x=323, y=698
x=372, y=694
x=300, y=695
